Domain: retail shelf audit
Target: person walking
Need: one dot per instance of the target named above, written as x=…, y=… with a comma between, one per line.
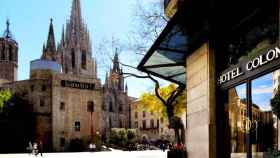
x=41, y=148
x=35, y=149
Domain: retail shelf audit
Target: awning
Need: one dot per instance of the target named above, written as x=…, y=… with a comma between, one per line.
x=167, y=57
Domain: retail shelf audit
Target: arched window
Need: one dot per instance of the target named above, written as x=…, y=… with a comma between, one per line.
x=110, y=123
x=120, y=108
x=111, y=106
x=84, y=60
x=73, y=57
x=3, y=53
x=120, y=122
x=90, y=106
x=10, y=53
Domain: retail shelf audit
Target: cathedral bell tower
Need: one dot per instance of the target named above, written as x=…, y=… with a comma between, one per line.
x=8, y=55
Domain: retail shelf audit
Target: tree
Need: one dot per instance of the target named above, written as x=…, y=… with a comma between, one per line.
x=166, y=105
x=150, y=21
x=16, y=122
x=275, y=103
x=5, y=96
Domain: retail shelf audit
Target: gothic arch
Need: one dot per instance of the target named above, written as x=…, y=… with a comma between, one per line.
x=73, y=57
x=84, y=60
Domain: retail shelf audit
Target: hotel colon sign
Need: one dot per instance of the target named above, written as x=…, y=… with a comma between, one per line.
x=227, y=55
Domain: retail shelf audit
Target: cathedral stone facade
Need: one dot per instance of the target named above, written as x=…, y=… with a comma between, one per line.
x=68, y=101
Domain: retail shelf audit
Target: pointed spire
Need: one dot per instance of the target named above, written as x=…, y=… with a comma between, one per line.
x=51, y=40
x=126, y=89
x=116, y=67
x=76, y=17
x=7, y=32
x=44, y=48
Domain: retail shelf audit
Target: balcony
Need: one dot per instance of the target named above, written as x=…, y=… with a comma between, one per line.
x=171, y=6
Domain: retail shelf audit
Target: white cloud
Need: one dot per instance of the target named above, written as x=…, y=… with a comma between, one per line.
x=262, y=90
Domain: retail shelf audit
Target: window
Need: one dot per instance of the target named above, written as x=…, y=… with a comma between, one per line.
x=161, y=130
x=77, y=126
x=120, y=122
x=32, y=88
x=110, y=123
x=3, y=53
x=152, y=113
x=62, y=142
x=62, y=106
x=84, y=60
x=90, y=106
x=136, y=115
x=10, y=53
x=152, y=125
x=104, y=107
x=136, y=124
x=73, y=58
x=111, y=106
x=144, y=113
x=42, y=102
x=157, y=123
x=161, y=120
x=144, y=124
x=44, y=88
x=120, y=108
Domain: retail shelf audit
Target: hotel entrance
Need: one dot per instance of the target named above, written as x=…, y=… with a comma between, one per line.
x=252, y=128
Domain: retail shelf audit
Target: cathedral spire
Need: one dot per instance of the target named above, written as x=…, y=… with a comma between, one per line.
x=76, y=17
x=116, y=67
x=51, y=40
x=7, y=32
x=126, y=88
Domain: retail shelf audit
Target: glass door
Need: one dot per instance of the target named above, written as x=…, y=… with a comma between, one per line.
x=264, y=122
x=236, y=128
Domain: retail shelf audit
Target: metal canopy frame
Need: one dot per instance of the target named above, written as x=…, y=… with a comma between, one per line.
x=166, y=57
x=157, y=48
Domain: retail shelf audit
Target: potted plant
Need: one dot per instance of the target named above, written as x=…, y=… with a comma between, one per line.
x=177, y=151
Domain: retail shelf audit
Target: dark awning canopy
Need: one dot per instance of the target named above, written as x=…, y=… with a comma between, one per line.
x=166, y=58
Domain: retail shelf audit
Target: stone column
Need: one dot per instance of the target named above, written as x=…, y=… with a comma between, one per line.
x=201, y=126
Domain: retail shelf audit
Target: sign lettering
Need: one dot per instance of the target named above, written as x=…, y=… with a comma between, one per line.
x=78, y=85
x=263, y=62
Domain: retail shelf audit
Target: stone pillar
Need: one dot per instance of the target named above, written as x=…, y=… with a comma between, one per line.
x=201, y=126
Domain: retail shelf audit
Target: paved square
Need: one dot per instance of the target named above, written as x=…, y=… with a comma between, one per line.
x=112, y=154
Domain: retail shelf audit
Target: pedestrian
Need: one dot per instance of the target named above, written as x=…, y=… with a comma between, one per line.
x=41, y=148
x=94, y=147
x=90, y=147
x=35, y=149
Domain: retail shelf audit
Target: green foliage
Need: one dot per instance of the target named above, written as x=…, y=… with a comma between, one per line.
x=121, y=137
x=5, y=96
x=275, y=103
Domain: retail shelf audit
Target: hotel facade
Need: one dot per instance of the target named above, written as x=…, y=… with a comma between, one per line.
x=225, y=53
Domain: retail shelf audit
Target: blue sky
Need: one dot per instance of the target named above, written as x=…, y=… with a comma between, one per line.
x=104, y=18
x=261, y=91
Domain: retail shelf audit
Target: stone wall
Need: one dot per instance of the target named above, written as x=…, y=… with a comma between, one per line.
x=200, y=78
x=75, y=110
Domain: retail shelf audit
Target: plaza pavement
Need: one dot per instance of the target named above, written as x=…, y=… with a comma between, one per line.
x=109, y=154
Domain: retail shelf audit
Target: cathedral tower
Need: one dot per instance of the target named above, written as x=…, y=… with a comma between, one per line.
x=75, y=46
x=115, y=80
x=8, y=55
